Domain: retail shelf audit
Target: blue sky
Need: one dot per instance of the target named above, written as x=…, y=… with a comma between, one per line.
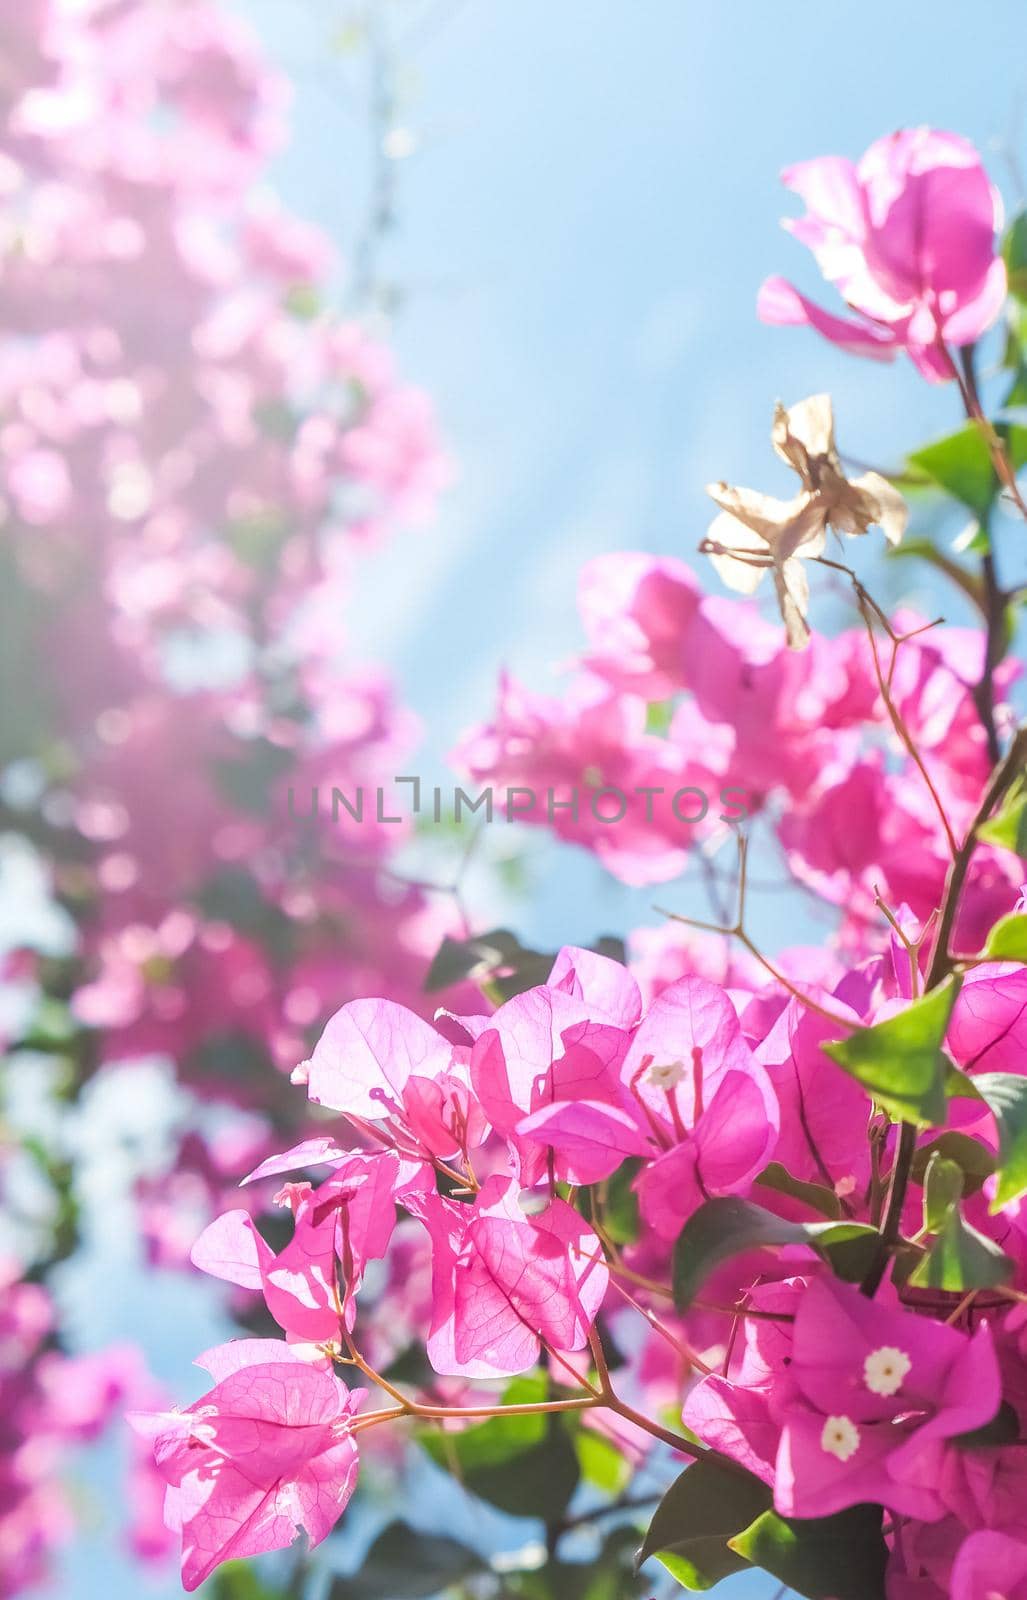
x=591, y=205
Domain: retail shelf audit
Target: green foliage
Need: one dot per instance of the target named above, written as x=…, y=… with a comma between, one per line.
x=237, y=1580
x=1005, y=1094
x=499, y=964
x=610, y=1577
x=1009, y=829
x=1014, y=253
x=601, y=1463
x=901, y=1061
x=814, y=1195
x=526, y=1464
x=726, y=1226
x=405, y=1564
x=974, y=1160
x=659, y=714
x=614, y=1202
x=1007, y=940
x=704, y=1508
x=826, y=1558
x=960, y=463
x=959, y=1258
x=943, y=1189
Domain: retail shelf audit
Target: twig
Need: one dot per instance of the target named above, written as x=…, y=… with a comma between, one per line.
x=941, y=965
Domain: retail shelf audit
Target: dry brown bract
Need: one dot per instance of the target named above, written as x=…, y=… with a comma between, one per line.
x=755, y=533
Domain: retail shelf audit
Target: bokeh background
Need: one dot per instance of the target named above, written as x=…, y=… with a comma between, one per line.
x=559, y=215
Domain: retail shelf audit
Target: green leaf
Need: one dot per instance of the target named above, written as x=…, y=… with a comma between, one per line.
x=1009, y=827
x=619, y=1203
x=814, y=1195
x=1007, y=940
x=901, y=1061
x=608, y=1578
x=52, y=1027
x=601, y=1463
x=826, y=1558
x=498, y=963
x=404, y=1564
x=492, y=957
x=697, y=1516
x=726, y=1226
x=236, y=1580
x=961, y=464
x=960, y=1259
x=974, y=1160
x=1005, y=1094
x=943, y=1189
x=659, y=714
x=526, y=1464
x=1014, y=253
x=970, y=583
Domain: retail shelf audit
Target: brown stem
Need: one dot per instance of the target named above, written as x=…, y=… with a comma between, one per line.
x=1002, y=778
x=993, y=600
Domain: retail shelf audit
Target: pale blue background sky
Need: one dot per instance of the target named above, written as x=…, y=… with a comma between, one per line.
x=582, y=231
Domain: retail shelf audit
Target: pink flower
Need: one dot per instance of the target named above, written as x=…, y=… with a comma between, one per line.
x=268, y=1451
x=870, y=1396
x=542, y=1050
x=710, y=1106
x=990, y=1565
x=908, y=236
x=377, y=1060
x=503, y=1282
x=338, y=1228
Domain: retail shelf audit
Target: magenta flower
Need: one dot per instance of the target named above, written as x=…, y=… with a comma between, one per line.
x=267, y=1452
x=547, y=1048
x=907, y=235
x=710, y=1107
x=989, y=1566
x=309, y=1287
x=872, y=1393
x=503, y=1281
x=378, y=1061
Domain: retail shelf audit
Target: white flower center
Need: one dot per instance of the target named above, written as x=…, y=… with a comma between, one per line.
x=666, y=1074
x=840, y=1437
x=885, y=1370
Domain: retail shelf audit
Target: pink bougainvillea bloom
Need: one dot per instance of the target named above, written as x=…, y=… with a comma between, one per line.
x=825, y=1114
x=606, y=986
x=309, y=1287
x=376, y=1060
x=732, y=1414
x=870, y=1396
x=503, y=1281
x=546, y=1047
x=990, y=1566
x=637, y=610
x=907, y=235
x=267, y=1452
x=367, y=1052
x=709, y=1105
x=988, y=1028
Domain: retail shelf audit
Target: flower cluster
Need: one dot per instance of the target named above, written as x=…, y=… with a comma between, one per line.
x=51, y=1403
x=193, y=447
x=783, y=1196
x=478, y=1127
